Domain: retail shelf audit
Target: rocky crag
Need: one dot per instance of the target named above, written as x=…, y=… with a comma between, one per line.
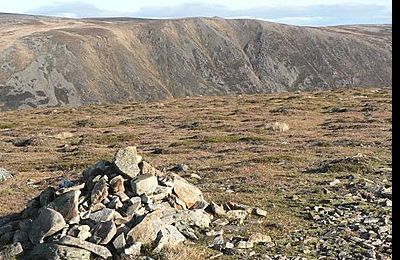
x=68, y=62
x=123, y=209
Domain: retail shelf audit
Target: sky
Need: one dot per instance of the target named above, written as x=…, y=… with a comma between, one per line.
x=297, y=12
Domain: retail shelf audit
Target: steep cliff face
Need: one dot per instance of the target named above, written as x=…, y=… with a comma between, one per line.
x=67, y=62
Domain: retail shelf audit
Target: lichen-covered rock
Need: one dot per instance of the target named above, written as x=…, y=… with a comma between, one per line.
x=259, y=212
x=127, y=161
x=244, y=244
x=216, y=209
x=236, y=214
x=115, y=203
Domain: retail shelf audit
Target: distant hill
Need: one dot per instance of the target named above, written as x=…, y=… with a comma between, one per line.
x=48, y=61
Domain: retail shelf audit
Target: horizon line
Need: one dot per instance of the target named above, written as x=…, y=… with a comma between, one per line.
x=188, y=17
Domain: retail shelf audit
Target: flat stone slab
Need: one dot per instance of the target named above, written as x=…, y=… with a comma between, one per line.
x=95, y=249
x=58, y=252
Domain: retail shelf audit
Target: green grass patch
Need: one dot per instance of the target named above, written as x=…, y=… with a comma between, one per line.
x=7, y=125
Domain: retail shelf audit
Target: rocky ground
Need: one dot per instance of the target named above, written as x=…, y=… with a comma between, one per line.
x=318, y=163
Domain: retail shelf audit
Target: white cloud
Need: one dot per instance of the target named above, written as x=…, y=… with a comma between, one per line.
x=75, y=9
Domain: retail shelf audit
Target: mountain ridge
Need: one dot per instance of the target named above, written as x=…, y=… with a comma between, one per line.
x=46, y=61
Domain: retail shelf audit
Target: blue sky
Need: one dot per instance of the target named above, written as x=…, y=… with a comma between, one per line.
x=298, y=12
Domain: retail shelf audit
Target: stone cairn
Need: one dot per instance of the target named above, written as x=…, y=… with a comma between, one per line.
x=120, y=209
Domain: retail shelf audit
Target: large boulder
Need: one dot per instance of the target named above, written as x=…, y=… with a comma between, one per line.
x=169, y=236
x=67, y=205
x=47, y=223
x=187, y=192
x=127, y=161
x=146, y=231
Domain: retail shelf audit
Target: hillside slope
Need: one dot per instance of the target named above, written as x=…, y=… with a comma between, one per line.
x=53, y=61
